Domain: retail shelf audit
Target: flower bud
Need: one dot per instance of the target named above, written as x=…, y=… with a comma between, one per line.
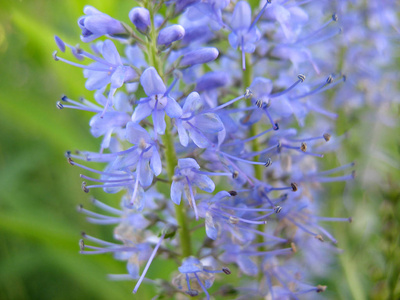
x=200, y=56
x=96, y=24
x=170, y=34
x=140, y=17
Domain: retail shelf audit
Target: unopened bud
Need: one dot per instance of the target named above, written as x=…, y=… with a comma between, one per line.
x=200, y=56
x=170, y=34
x=140, y=17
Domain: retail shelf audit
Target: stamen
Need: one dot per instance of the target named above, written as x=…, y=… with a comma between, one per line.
x=249, y=139
x=300, y=77
x=56, y=58
x=73, y=163
x=153, y=254
x=341, y=168
x=202, y=286
x=334, y=18
x=242, y=160
x=225, y=104
x=315, y=91
x=252, y=154
x=84, y=188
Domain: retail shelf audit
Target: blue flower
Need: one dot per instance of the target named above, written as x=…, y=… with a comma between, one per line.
x=194, y=277
x=96, y=24
x=243, y=34
x=157, y=103
x=188, y=175
x=197, y=124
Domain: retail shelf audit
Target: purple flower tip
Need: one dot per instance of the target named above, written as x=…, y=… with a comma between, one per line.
x=170, y=34
x=140, y=17
x=200, y=56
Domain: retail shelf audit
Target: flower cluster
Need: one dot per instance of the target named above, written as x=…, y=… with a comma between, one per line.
x=225, y=107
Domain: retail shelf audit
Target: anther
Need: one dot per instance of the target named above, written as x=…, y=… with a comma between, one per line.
x=259, y=103
x=321, y=288
x=268, y=162
x=329, y=80
x=84, y=188
x=80, y=207
x=302, y=77
x=294, y=186
x=81, y=244
x=70, y=161
x=353, y=174
x=235, y=174
x=192, y=293
x=344, y=78
x=327, y=137
x=59, y=105
x=303, y=147
x=350, y=219
x=248, y=94
x=293, y=246
x=55, y=55
x=233, y=193
x=335, y=17
x=233, y=220
x=67, y=154
x=278, y=209
x=319, y=237
x=276, y=127
x=64, y=98
x=83, y=234
x=279, y=147
x=226, y=271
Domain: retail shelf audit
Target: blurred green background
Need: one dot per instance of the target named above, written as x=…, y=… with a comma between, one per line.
x=39, y=191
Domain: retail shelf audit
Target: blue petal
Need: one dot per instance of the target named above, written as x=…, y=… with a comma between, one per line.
x=211, y=231
x=188, y=163
x=155, y=162
x=247, y=265
x=209, y=123
x=159, y=121
x=134, y=133
x=110, y=53
x=141, y=111
x=183, y=136
x=118, y=77
x=152, y=82
x=176, y=192
x=191, y=265
x=261, y=87
x=192, y=103
x=204, y=183
x=241, y=17
x=173, y=109
x=145, y=173
x=198, y=138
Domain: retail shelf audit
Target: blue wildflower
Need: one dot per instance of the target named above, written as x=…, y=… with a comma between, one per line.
x=157, y=103
x=188, y=175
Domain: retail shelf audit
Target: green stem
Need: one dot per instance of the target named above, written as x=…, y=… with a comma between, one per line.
x=171, y=160
x=170, y=154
